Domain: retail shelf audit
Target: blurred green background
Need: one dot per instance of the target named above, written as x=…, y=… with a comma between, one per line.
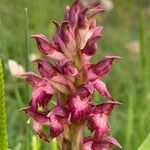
x=126, y=33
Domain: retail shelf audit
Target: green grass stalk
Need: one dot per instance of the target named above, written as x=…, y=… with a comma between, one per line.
x=146, y=144
x=130, y=118
x=53, y=144
x=36, y=145
x=27, y=49
x=143, y=47
x=3, y=130
x=4, y=51
x=28, y=130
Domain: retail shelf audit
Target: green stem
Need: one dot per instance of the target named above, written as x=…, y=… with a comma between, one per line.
x=3, y=130
x=76, y=136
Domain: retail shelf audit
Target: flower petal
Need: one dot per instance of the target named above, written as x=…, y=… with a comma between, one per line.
x=56, y=128
x=43, y=43
x=88, y=145
x=91, y=47
x=101, y=87
x=38, y=82
x=105, y=143
x=37, y=116
x=105, y=108
x=113, y=141
x=57, y=116
x=40, y=98
x=100, y=69
x=58, y=111
x=98, y=9
x=33, y=79
x=73, y=13
x=84, y=91
x=97, y=31
x=78, y=108
x=83, y=35
x=98, y=123
x=37, y=128
x=51, y=72
x=69, y=69
x=45, y=69
x=46, y=48
x=67, y=10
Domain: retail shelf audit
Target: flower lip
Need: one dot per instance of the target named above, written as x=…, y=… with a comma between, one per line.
x=78, y=108
x=57, y=116
x=58, y=111
x=40, y=98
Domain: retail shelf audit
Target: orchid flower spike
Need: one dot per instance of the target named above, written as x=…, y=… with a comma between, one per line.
x=62, y=97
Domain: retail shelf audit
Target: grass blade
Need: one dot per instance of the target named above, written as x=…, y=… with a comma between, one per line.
x=54, y=144
x=27, y=48
x=3, y=130
x=28, y=130
x=36, y=143
x=143, y=49
x=26, y=40
x=142, y=40
x=146, y=144
x=4, y=54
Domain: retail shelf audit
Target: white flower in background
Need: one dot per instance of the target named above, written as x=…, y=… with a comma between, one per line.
x=32, y=57
x=87, y=2
x=133, y=46
x=148, y=96
x=108, y=4
x=15, y=68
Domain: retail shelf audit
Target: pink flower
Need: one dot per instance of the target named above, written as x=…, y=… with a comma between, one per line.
x=54, y=119
x=68, y=82
x=104, y=144
x=79, y=104
x=97, y=119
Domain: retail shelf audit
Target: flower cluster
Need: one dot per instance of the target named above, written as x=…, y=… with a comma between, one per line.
x=63, y=92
